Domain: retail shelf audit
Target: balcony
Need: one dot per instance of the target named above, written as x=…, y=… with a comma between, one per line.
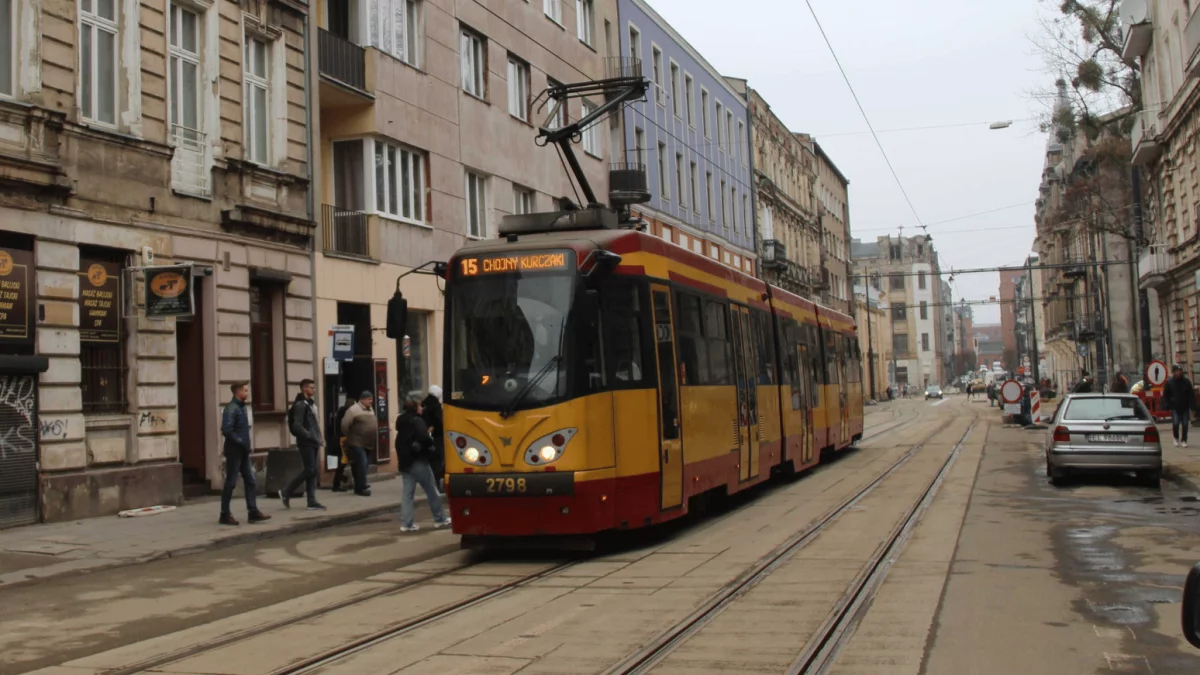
x=1153, y=265
x=341, y=60
x=819, y=277
x=1144, y=135
x=345, y=231
x=627, y=184
x=1191, y=45
x=1138, y=28
x=774, y=254
x=191, y=163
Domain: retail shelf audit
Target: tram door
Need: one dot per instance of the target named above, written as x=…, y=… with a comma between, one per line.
x=747, y=391
x=807, y=401
x=670, y=431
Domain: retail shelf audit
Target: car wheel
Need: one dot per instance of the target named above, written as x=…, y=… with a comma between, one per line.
x=1058, y=477
x=1150, y=479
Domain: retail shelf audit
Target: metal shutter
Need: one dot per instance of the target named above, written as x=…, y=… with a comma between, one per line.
x=18, y=450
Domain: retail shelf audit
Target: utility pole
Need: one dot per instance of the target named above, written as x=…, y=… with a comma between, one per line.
x=1034, y=358
x=870, y=345
x=1139, y=238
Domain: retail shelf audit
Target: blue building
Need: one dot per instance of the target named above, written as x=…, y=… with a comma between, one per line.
x=692, y=135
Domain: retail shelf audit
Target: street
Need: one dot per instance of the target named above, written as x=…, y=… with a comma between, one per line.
x=938, y=546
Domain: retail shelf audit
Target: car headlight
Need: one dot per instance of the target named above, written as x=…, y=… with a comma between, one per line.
x=469, y=449
x=548, y=448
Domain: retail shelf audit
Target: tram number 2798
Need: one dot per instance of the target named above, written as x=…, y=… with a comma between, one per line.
x=505, y=485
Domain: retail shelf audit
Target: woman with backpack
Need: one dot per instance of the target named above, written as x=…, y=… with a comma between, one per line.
x=414, y=453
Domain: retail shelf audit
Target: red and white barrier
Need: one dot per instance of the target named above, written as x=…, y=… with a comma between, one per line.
x=1035, y=407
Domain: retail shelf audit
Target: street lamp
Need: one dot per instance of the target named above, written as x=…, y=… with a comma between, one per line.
x=1000, y=125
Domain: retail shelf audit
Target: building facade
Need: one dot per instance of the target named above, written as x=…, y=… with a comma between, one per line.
x=428, y=113
x=135, y=135
x=875, y=332
x=1008, y=316
x=833, y=195
x=691, y=133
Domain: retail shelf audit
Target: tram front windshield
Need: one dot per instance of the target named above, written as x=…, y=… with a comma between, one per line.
x=506, y=331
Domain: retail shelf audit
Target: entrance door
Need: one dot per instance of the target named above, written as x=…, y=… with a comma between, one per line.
x=189, y=363
x=670, y=456
x=807, y=401
x=747, y=391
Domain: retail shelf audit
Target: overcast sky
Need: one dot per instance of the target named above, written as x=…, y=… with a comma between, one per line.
x=913, y=64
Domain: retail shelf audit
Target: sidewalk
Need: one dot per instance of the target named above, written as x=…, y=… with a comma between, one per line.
x=38, y=552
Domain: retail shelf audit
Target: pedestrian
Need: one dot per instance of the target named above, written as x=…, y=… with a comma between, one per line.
x=304, y=424
x=1119, y=385
x=1084, y=385
x=970, y=391
x=414, y=451
x=1179, y=397
x=361, y=428
x=235, y=427
x=431, y=412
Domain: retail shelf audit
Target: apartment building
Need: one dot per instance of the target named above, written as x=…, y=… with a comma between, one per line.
x=139, y=135
x=906, y=268
x=833, y=195
x=427, y=114
x=1008, y=315
x=873, y=314
x=1164, y=37
x=691, y=133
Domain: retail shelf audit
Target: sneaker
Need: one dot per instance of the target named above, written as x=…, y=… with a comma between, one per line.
x=444, y=523
x=315, y=507
x=258, y=517
x=1183, y=444
x=410, y=528
x=287, y=502
x=227, y=519
x=1175, y=442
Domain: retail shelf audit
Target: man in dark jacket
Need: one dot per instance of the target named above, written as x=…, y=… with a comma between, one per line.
x=1084, y=385
x=413, y=449
x=431, y=412
x=1119, y=385
x=235, y=427
x=1179, y=397
x=307, y=430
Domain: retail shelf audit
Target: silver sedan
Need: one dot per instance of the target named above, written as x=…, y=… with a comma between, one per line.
x=1103, y=432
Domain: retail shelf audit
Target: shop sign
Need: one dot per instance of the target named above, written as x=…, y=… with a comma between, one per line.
x=383, y=445
x=16, y=287
x=169, y=291
x=99, y=301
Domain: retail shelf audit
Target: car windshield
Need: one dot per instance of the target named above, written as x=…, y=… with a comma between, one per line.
x=507, y=330
x=932, y=388
x=1106, y=408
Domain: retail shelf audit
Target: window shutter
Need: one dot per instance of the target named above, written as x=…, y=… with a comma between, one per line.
x=400, y=29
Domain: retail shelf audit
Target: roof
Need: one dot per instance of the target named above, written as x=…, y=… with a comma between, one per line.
x=821, y=153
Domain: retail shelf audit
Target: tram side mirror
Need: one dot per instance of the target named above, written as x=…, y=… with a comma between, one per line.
x=1191, y=607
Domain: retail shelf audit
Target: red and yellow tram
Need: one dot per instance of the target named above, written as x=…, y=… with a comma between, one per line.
x=602, y=380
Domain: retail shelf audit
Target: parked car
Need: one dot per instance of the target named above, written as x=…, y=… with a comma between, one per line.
x=1191, y=606
x=933, y=391
x=1103, y=432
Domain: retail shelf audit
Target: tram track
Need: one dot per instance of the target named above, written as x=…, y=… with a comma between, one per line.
x=838, y=627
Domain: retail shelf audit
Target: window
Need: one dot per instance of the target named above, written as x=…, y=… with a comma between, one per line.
x=704, y=111
x=522, y=200
x=663, y=184
x=257, y=111
x=900, y=344
x=399, y=181
x=639, y=145
x=896, y=282
x=183, y=74
x=476, y=205
x=560, y=116
x=688, y=100
x=720, y=128
x=738, y=143
x=695, y=189
x=724, y=210
x=730, y=141
x=921, y=280
x=899, y=312
x=924, y=310
x=702, y=339
x=101, y=332
x=585, y=19
x=262, y=347
x=8, y=44
x=924, y=342
x=894, y=251
x=591, y=135
x=394, y=28
x=474, y=64
x=733, y=208
x=679, y=179
x=708, y=191
x=656, y=58
x=622, y=318
x=417, y=364
x=745, y=214
x=553, y=9
x=518, y=88
x=97, y=60
x=675, y=107
x=635, y=43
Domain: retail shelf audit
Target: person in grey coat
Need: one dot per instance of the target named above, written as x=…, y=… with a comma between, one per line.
x=302, y=422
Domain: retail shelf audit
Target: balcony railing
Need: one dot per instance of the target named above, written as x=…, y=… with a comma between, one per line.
x=342, y=60
x=1138, y=33
x=1144, y=136
x=627, y=184
x=190, y=172
x=1153, y=265
x=345, y=231
x=774, y=254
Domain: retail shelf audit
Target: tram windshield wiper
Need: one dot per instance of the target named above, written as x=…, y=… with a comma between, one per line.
x=533, y=382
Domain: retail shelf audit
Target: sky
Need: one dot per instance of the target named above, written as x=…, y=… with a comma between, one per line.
x=916, y=63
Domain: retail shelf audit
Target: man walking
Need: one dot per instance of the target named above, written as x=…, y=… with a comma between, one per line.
x=431, y=412
x=361, y=429
x=1179, y=397
x=304, y=425
x=235, y=427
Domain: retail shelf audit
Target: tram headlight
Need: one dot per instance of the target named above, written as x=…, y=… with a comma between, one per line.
x=469, y=450
x=549, y=448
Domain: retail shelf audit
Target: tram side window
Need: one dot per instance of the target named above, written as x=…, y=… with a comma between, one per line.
x=786, y=358
x=689, y=340
x=716, y=333
x=832, y=358
x=853, y=364
x=760, y=325
x=624, y=337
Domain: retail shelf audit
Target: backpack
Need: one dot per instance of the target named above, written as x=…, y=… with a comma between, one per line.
x=290, y=419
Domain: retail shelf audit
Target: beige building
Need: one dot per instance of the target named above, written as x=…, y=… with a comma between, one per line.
x=875, y=337
x=136, y=134
x=834, y=198
x=427, y=119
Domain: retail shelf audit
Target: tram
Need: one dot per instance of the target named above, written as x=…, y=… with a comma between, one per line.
x=607, y=379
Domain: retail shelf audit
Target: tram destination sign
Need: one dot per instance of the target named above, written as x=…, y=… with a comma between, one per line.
x=507, y=263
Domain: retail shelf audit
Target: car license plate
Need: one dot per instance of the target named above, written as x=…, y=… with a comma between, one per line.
x=1107, y=438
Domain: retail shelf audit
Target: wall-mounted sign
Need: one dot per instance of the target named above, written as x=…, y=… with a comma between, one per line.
x=383, y=444
x=99, y=301
x=16, y=288
x=169, y=291
x=342, y=342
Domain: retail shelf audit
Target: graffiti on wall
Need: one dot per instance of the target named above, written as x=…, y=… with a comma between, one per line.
x=18, y=401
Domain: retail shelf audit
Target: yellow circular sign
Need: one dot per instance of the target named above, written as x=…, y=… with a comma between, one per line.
x=97, y=275
x=168, y=284
x=6, y=264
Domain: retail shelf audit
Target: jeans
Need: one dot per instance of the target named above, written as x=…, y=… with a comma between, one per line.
x=358, y=466
x=238, y=461
x=308, y=455
x=420, y=473
x=1180, y=420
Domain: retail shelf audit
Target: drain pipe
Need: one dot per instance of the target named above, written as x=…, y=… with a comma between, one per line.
x=309, y=54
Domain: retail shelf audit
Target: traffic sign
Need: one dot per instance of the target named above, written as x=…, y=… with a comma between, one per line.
x=1156, y=373
x=1010, y=391
x=1021, y=370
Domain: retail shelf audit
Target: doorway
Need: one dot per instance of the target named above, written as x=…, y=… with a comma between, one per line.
x=670, y=433
x=193, y=432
